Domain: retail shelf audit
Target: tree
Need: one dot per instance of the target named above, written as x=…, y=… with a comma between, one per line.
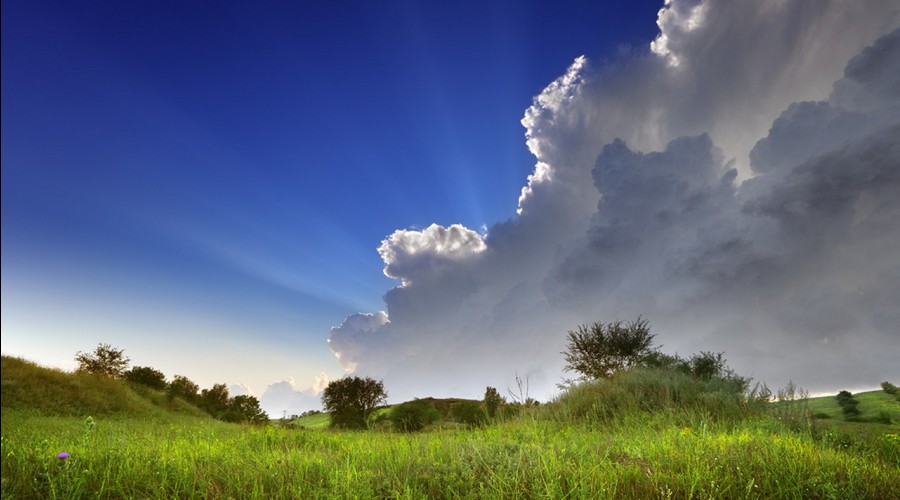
x=246, y=409
x=492, y=401
x=707, y=365
x=182, y=387
x=106, y=361
x=215, y=400
x=598, y=351
x=145, y=375
x=351, y=401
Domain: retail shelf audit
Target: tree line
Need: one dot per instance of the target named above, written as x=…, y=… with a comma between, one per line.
x=108, y=361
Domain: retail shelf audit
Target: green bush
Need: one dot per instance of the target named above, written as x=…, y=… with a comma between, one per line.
x=414, y=416
x=470, y=413
x=646, y=390
x=890, y=388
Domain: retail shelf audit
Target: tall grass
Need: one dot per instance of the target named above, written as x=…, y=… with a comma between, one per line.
x=632, y=458
x=645, y=435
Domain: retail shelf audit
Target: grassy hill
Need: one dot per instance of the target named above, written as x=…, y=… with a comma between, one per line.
x=46, y=391
x=871, y=406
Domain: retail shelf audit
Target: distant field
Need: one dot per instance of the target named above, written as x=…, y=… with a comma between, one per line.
x=870, y=404
x=318, y=421
x=603, y=441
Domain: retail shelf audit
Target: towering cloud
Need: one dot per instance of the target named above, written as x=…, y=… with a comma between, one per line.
x=737, y=184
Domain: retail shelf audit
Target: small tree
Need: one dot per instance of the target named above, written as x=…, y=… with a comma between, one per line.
x=215, y=400
x=245, y=409
x=889, y=388
x=145, y=375
x=708, y=365
x=598, y=351
x=492, y=401
x=849, y=405
x=351, y=401
x=182, y=387
x=106, y=361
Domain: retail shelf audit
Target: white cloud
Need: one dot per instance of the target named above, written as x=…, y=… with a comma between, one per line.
x=643, y=201
x=239, y=390
x=408, y=254
x=285, y=397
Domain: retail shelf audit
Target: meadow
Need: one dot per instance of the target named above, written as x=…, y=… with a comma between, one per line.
x=645, y=435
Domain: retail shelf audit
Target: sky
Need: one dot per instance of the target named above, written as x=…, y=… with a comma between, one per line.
x=274, y=196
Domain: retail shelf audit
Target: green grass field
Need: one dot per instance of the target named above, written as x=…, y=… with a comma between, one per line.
x=595, y=443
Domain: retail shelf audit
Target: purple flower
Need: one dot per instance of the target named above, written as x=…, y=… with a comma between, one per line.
x=62, y=455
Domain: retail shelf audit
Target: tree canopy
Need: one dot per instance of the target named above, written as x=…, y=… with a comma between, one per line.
x=106, y=361
x=145, y=375
x=599, y=350
x=351, y=401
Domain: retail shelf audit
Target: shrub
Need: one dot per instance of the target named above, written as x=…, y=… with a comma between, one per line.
x=106, y=361
x=147, y=376
x=647, y=390
x=472, y=414
x=883, y=417
x=492, y=401
x=890, y=388
x=598, y=351
x=182, y=387
x=414, y=416
x=849, y=405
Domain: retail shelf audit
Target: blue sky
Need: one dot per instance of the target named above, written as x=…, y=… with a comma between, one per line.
x=225, y=172
x=206, y=185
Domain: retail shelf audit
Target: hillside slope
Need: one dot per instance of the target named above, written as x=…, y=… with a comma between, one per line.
x=27, y=386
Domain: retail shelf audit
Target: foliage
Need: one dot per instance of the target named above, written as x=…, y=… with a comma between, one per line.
x=650, y=390
x=889, y=388
x=146, y=375
x=471, y=414
x=182, y=387
x=492, y=401
x=106, y=361
x=849, y=405
x=351, y=401
x=598, y=351
x=413, y=416
x=707, y=365
x=215, y=400
x=245, y=409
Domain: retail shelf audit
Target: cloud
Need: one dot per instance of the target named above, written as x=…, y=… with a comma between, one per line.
x=737, y=185
x=239, y=390
x=285, y=397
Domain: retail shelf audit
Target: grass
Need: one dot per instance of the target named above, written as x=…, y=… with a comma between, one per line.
x=871, y=404
x=649, y=447
x=317, y=421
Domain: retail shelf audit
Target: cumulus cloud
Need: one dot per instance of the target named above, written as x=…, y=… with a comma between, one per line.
x=285, y=397
x=737, y=184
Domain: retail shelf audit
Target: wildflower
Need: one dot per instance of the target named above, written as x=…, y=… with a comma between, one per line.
x=62, y=455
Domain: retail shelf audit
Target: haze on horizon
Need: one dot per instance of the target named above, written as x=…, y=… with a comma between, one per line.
x=735, y=179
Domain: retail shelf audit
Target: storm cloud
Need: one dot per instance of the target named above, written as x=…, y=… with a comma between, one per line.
x=737, y=183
